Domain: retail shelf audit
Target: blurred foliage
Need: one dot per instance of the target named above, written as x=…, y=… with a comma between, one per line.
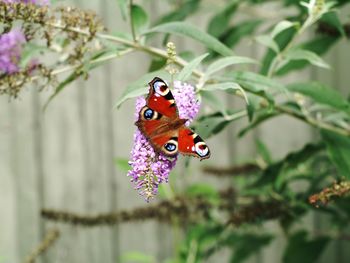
x=311, y=180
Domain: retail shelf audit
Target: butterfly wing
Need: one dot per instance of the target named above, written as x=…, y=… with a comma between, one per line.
x=190, y=143
x=160, y=99
x=155, y=127
x=155, y=118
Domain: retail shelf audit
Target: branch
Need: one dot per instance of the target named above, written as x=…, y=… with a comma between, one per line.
x=182, y=208
x=247, y=168
x=330, y=193
x=259, y=211
x=150, y=50
x=50, y=238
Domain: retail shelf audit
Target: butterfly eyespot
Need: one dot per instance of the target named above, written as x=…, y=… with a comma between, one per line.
x=148, y=114
x=201, y=149
x=170, y=148
x=161, y=88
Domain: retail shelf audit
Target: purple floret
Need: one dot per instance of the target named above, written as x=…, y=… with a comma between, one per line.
x=35, y=2
x=10, y=51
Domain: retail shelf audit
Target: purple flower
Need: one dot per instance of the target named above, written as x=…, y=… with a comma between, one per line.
x=186, y=101
x=10, y=51
x=35, y=2
x=149, y=169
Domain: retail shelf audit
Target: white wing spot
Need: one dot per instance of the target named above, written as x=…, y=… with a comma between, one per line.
x=188, y=147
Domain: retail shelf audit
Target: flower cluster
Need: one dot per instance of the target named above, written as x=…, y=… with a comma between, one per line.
x=150, y=169
x=60, y=30
x=329, y=193
x=186, y=101
x=10, y=51
x=35, y=2
x=11, y=43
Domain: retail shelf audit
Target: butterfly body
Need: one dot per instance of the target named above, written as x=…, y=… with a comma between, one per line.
x=159, y=121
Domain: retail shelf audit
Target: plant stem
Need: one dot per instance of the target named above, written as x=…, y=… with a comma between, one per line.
x=312, y=121
x=275, y=63
x=150, y=50
x=192, y=253
x=180, y=62
x=50, y=238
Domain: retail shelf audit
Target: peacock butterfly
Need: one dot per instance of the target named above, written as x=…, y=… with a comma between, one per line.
x=160, y=123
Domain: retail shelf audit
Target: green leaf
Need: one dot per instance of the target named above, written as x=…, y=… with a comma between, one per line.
x=254, y=104
x=282, y=40
x=220, y=21
x=228, y=87
x=204, y=190
x=263, y=151
x=333, y=20
x=322, y=94
x=261, y=117
x=338, y=148
x=269, y=42
x=201, y=236
x=186, y=9
x=214, y=123
x=227, y=61
x=256, y=83
x=186, y=72
x=213, y=101
x=122, y=164
x=123, y=6
x=222, y=86
x=271, y=175
x=234, y=34
x=138, y=87
x=246, y=245
x=139, y=18
x=280, y=27
x=319, y=45
x=156, y=64
x=302, y=250
x=188, y=30
x=311, y=57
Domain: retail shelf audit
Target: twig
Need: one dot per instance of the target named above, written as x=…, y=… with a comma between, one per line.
x=185, y=209
x=330, y=193
x=247, y=168
x=258, y=211
x=312, y=121
x=151, y=50
x=51, y=236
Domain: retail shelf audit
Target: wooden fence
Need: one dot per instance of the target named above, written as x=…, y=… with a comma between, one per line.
x=64, y=159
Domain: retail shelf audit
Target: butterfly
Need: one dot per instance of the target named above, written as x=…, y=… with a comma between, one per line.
x=160, y=123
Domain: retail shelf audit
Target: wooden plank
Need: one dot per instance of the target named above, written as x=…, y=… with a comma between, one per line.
x=8, y=239
x=24, y=171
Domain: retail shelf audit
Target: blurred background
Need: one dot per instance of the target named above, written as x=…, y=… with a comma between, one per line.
x=64, y=158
